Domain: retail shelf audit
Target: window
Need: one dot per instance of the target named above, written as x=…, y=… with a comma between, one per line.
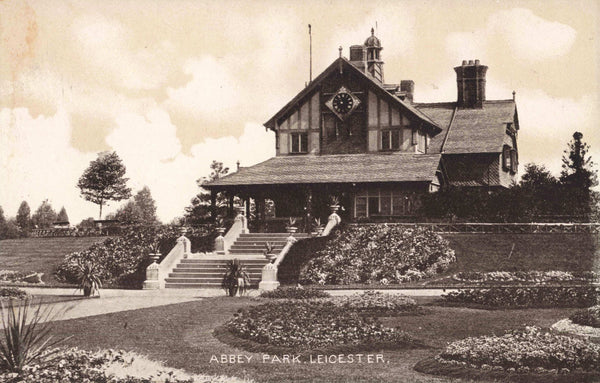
x=299, y=142
x=514, y=161
x=506, y=158
x=390, y=139
x=382, y=203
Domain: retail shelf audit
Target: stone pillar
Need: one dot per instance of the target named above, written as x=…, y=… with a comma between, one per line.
x=220, y=241
x=186, y=244
x=152, y=274
x=269, y=278
x=242, y=218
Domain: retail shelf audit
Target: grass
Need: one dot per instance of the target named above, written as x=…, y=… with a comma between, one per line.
x=181, y=335
x=41, y=255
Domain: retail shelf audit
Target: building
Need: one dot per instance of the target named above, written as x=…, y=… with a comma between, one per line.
x=351, y=135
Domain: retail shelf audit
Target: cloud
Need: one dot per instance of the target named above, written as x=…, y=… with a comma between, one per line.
x=518, y=32
x=37, y=162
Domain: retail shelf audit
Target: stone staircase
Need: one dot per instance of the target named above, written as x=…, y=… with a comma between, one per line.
x=254, y=243
x=208, y=271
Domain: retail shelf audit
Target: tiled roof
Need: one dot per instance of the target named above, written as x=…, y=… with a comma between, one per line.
x=342, y=168
x=477, y=130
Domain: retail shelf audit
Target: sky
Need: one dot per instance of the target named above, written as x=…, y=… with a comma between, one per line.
x=172, y=85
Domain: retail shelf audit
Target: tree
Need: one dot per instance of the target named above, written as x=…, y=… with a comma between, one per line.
x=44, y=216
x=62, y=215
x=146, y=206
x=199, y=210
x=24, y=216
x=142, y=210
x=104, y=180
x=577, y=165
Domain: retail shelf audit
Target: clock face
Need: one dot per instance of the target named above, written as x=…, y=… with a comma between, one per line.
x=342, y=103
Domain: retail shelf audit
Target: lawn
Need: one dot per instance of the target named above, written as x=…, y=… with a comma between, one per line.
x=181, y=336
x=40, y=255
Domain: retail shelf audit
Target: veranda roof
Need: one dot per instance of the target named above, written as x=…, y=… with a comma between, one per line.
x=341, y=168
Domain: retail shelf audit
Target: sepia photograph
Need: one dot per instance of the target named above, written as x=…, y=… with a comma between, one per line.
x=283, y=191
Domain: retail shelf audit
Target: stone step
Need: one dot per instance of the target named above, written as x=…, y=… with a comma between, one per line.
x=262, y=248
x=223, y=262
x=212, y=269
x=203, y=280
x=205, y=275
x=190, y=285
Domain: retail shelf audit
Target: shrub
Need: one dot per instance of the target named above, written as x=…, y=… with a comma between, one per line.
x=12, y=292
x=524, y=350
x=377, y=303
x=25, y=335
x=587, y=317
x=579, y=296
x=122, y=261
x=379, y=254
x=537, y=277
x=307, y=325
x=294, y=293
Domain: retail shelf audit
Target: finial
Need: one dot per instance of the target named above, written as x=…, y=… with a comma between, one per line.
x=372, y=31
x=514, y=95
x=238, y=165
x=340, y=49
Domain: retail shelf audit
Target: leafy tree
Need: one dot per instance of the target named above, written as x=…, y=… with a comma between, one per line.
x=142, y=210
x=577, y=165
x=146, y=206
x=44, y=216
x=200, y=209
x=62, y=215
x=12, y=230
x=537, y=177
x=104, y=180
x=24, y=216
x=87, y=223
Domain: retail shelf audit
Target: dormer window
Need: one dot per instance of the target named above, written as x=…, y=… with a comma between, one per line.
x=299, y=142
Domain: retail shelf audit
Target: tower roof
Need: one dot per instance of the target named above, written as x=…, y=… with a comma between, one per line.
x=372, y=41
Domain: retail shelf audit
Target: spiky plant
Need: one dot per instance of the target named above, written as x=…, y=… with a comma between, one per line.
x=89, y=280
x=26, y=335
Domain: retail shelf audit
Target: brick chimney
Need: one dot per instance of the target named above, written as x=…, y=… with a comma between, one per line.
x=358, y=57
x=408, y=88
x=470, y=81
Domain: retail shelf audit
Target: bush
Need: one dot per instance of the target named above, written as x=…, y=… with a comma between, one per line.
x=528, y=350
x=294, y=293
x=527, y=297
x=377, y=303
x=379, y=254
x=12, y=292
x=307, y=325
x=538, y=277
x=587, y=317
x=122, y=260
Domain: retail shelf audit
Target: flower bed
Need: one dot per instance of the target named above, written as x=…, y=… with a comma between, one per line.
x=12, y=292
x=309, y=325
x=526, y=297
x=379, y=254
x=587, y=317
x=76, y=366
x=294, y=293
x=528, y=350
x=376, y=303
x=526, y=277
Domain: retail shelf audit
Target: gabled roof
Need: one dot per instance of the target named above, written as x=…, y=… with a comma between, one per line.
x=473, y=130
x=341, y=168
x=374, y=84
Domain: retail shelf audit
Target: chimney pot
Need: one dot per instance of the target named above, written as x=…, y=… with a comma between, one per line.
x=464, y=62
x=476, y=62
x=470, y=62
